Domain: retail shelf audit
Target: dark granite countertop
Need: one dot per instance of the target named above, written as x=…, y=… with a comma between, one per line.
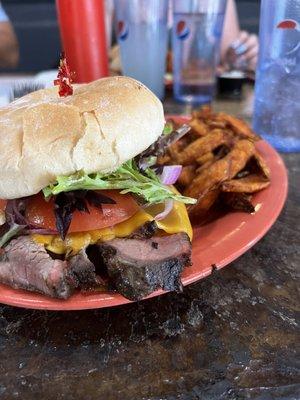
x=234, y=335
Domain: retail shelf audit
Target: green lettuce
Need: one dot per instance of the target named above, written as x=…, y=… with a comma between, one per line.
x=168, y=128
x=127, y=178
x=13, y=231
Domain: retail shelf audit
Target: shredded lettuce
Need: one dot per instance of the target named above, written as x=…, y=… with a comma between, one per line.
x=127, y=178
x=13, y=231
x=168, y=128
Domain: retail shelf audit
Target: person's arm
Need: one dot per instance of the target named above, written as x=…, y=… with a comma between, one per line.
x=9, y=49
x=239, y=49
x=231, y=28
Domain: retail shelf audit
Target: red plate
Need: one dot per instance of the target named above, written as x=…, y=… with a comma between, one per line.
x=217, y=243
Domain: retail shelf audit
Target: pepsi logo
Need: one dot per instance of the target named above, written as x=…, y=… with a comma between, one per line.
x=182, y=30
x=122, y=30
x=289, y=24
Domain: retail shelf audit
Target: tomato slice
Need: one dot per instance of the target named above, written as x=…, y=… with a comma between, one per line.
x=2, y=204
x=40, y=213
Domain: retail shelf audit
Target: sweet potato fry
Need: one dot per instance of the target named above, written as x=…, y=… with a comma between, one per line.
x=204, y=166
x=199, y=127
x=165, y=160
x=216, y=123
x=195, y=113
x=174, y=152
x=204, y=204
x=222, y=170
x=201, y=146
x=220, y=163
x=204, y=113
x=264, y=169
x=249, y=184
x=241, y=128
x=209, y=156
x=186, y=176
x=238, y=201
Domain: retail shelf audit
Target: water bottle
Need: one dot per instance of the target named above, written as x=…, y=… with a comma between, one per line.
x=277, y=88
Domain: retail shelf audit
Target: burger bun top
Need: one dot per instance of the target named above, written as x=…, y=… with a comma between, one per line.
x=102, y=125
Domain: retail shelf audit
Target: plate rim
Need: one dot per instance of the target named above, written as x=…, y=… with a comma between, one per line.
x=37, y=301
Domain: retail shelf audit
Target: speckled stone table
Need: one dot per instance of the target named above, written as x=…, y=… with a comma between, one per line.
x=234, y=335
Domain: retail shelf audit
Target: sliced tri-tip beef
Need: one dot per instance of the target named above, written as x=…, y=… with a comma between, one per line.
x=137, y=267
x=26, y=265
x=145, y=231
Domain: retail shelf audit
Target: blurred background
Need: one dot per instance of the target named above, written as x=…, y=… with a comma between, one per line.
x=35, y=23
x=201, y=66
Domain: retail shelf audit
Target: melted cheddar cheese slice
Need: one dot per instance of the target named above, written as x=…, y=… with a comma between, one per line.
x=176, y=221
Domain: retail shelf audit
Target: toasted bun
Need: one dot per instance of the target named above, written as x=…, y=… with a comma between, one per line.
x=98, y=128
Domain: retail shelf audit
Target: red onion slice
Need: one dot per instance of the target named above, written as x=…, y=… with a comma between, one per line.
x=170, y=174
x=168, y=208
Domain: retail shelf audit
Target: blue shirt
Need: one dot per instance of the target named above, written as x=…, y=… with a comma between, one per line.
x=3, y=15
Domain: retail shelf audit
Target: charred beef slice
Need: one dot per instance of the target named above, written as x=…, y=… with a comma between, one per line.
x=145, y=231
x=137, y=267
x=27, y=265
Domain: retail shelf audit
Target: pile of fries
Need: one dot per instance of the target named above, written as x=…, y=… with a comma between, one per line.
x=221, y=165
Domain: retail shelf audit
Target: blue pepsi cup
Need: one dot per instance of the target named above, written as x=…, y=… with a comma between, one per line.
x=277, y=87
x=196, y=36
x=142, y=33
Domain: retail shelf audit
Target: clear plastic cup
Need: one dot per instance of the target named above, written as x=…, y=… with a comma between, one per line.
x=142, y=33
x=109, y=18
x=277, y=88
x=196, y=36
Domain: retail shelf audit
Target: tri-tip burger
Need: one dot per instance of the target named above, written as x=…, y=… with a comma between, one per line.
x=83, y=201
